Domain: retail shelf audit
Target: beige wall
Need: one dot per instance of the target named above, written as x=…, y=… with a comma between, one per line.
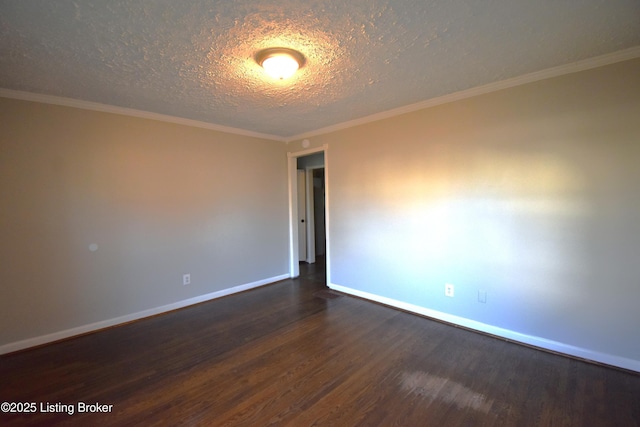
x=530, y=194
x=158, y=199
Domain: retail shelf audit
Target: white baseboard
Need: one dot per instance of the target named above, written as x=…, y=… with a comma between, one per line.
x=608, y=359
x=56, y=336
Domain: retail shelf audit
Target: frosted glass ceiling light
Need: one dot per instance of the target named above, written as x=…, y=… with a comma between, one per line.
x=280, y=62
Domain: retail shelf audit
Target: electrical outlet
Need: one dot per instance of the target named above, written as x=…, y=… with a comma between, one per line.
x=482, y=297
x=448, y=290
x=186, y=279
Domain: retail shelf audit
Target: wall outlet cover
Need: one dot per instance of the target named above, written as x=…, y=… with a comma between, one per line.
x=448, y=290
x=482, y=297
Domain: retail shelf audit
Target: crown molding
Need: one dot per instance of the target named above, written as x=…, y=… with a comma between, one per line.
x=104, y=108
x=574, y=67
x=585, y=64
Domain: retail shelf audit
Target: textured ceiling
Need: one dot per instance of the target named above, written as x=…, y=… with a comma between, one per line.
x=193, y=59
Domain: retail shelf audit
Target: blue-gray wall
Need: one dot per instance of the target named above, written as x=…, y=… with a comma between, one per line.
x=158, y=199
x=529, y=194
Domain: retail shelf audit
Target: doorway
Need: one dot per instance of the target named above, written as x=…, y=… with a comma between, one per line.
x=311, y=213
x=308, y=218
x=311, y=207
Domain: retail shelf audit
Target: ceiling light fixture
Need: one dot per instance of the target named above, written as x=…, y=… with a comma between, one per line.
x=280, y=62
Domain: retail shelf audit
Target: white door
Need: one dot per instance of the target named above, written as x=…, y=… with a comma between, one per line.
x=302, y=215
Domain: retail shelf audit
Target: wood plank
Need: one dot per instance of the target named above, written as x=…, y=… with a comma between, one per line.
x=288, y=354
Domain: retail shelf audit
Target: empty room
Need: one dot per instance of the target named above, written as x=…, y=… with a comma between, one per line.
x=251, y=213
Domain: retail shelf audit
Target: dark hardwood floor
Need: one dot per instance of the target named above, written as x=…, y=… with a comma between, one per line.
x=294, y=353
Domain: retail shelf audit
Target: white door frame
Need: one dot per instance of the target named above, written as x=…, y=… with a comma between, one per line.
x=294, y=268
